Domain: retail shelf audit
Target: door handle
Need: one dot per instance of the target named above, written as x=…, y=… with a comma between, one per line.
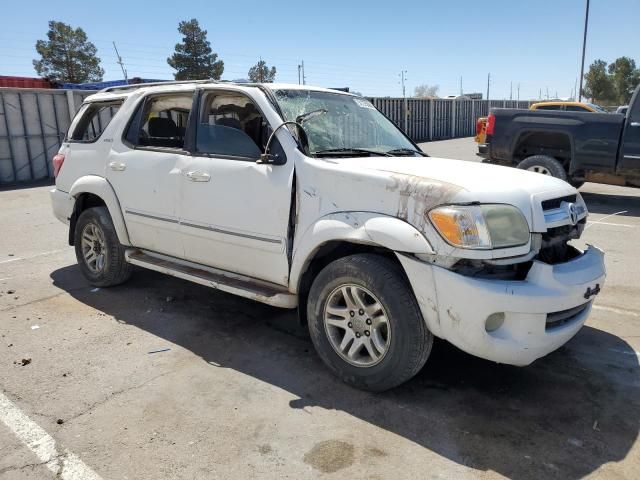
x=117, y=166
x=196, y=176
x=635, y=124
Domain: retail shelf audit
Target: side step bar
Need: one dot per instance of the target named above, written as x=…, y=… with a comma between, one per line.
x=240, y=285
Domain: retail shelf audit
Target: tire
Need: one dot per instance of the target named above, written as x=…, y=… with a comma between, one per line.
x=407, y=343
x=544, y=164
x=97, y=228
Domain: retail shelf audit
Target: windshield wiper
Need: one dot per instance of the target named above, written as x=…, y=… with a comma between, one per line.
x=400, y=151
x=354, y=151
x=309, y=115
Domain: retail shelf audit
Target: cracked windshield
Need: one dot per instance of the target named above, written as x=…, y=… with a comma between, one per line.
x=343, y=125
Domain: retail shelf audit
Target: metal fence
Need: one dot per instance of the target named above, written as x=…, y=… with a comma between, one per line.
x=33, y=123
x=439, y=118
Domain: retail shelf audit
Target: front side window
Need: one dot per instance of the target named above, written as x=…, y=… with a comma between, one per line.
x=161, y=121
x=230, y=125
x=598, y=108
x=342, y=124
x=577, y=108
x=93, y=119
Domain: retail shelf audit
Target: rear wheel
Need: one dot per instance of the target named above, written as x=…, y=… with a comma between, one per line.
x=98, y=250
x=365, y=323
x=545, y=165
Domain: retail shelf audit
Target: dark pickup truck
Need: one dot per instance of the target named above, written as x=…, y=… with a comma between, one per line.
x=575, y=146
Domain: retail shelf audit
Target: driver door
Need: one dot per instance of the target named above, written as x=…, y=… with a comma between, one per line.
x=234, y=212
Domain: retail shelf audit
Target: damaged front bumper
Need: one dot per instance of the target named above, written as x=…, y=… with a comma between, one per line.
x=508, y=321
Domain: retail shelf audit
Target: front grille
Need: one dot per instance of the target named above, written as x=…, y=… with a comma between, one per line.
x=564, y=317
x=556, y=202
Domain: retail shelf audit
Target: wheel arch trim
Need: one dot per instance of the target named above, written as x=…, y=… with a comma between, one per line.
x=101, y=188
x=365, y=228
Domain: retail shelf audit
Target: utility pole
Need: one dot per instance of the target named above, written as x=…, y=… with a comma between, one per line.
x=261, y=78
x=121, y=63
x=402, y=80
x=518, y=91
x=299, y=82
x=584, y=47
x=511, y=91
x=488, y=83
x=540, y=94
x=304, y=77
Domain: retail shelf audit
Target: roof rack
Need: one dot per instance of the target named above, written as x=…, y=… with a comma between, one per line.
x=121, y=88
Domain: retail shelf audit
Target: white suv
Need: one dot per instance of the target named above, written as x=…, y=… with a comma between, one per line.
x=311, y=198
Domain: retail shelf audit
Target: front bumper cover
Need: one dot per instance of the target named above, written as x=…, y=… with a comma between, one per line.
x=456, y=307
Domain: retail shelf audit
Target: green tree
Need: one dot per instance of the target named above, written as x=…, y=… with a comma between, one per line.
x=261, y=73
x=597, y=83
x=193, y=58
x=624, y=77
x=426, y=91
x=67, y=55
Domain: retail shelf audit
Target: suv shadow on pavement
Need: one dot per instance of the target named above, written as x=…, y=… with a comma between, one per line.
x=609, y=203
x=563, y=417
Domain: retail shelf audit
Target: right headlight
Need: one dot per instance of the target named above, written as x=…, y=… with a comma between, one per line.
x=481, y=227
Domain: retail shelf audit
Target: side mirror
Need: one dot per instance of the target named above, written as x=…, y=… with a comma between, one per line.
x=271, y=159
x=276, y=159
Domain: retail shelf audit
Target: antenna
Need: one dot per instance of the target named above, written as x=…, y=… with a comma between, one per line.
x=121, y=63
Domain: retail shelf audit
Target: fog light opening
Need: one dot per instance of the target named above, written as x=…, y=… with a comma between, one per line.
x=494, y=321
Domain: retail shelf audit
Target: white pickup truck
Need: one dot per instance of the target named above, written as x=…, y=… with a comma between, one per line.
x=311, y=198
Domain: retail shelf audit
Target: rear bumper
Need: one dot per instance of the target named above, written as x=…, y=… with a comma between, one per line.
x=540, y=313
x=62, y=204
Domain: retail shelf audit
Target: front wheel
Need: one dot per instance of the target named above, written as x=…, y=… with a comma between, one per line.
x=365, y=323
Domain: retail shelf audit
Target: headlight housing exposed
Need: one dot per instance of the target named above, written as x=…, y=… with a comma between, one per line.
x=481, y=227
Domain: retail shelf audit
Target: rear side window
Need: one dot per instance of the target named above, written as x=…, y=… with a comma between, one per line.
x=93, y=119
x=549, y=107
x=161, y=121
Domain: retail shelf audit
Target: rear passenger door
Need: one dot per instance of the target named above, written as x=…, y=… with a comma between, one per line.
x=145, y=171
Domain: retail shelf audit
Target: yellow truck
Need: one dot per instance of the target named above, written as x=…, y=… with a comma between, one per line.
x=481, y=123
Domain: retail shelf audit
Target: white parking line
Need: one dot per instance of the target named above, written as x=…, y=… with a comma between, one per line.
x=65, y=465
x=16, y=259
x=611, y=224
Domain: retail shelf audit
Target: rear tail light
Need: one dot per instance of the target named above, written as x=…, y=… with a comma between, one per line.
x=491, y=123
x=58, y=160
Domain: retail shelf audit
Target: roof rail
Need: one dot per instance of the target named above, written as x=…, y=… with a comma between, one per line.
x=153, y=84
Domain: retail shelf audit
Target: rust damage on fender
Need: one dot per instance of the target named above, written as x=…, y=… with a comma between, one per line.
x=418, y=195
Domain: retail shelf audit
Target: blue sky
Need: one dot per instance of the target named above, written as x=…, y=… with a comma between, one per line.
x=363, y=45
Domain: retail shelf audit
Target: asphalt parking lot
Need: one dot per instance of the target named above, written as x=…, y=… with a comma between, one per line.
x=161, y=378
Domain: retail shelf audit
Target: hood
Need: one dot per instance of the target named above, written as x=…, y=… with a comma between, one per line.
x=476, y=181
x=414, y=185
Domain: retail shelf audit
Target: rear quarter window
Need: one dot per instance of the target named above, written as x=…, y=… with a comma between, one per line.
x=92, y=120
